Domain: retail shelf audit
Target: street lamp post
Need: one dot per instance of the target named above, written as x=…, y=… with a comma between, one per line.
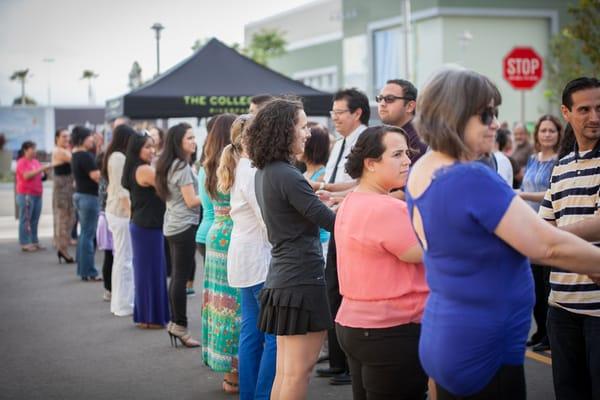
x=49, y=61
x=157, y=27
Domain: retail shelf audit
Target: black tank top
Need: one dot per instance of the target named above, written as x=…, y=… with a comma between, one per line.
x=147, y=209
x=63, y=169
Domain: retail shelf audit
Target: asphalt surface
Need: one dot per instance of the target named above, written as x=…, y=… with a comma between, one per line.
x=58, y=339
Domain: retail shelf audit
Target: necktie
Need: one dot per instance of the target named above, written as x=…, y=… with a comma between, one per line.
x=339, y=157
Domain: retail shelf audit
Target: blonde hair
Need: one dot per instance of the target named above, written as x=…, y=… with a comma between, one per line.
x=231, y=154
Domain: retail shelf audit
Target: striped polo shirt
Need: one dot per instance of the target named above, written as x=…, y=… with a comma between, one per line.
x=572, y=197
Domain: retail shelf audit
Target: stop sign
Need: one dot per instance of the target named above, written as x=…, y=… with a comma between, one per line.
x=522, y=68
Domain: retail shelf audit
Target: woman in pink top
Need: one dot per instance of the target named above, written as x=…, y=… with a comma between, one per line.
x=29, y=195
x=382, y=279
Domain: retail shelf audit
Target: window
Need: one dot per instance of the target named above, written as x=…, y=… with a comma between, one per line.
x=388, y=53
x=323, y=78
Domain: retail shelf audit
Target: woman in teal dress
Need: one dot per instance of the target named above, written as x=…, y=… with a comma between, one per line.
x=221, y=313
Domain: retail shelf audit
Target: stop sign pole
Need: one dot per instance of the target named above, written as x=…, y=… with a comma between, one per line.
x=522, y=68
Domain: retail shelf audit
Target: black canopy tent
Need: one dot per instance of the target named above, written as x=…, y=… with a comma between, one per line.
x=214, y=80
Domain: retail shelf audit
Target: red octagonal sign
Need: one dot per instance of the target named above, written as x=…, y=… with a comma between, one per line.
x=522, y=68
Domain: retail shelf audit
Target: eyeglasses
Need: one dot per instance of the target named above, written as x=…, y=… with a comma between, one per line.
x=488, y=114
x=390, y=98
x=333, y=113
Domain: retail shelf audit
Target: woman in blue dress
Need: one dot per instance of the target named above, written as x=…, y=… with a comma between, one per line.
x=477, y=235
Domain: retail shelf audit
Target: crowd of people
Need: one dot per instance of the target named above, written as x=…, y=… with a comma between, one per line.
x=419, y=248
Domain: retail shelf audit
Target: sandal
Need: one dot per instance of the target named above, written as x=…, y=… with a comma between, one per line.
x=231, y=387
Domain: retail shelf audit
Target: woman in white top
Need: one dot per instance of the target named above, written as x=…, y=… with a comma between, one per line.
x=117, y=215
x=248, y=260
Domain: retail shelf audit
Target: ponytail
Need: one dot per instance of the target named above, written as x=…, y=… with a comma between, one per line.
x=226, y=170
x=231, y=155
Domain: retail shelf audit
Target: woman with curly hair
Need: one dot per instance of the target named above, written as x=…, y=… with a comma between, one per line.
x=221, y=302
x=293, y=302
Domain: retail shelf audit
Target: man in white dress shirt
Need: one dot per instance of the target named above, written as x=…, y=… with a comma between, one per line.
x=350, y=114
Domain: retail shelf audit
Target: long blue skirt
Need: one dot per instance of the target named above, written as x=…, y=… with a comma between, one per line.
x=151, y=302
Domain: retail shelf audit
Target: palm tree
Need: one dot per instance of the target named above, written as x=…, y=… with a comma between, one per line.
x=89, y=75
x=21, y=76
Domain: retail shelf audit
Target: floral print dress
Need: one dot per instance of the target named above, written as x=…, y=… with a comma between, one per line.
x=221, y=313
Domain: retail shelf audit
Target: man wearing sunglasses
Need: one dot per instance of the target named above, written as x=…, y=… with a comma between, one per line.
x=396, y=105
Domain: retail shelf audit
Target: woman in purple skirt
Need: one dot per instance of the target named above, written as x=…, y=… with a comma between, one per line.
x=151, y=304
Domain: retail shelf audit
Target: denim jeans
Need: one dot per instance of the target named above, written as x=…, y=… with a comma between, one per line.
x=30, y=208
x=87, y=207
x=575, y=343
x=257, y=350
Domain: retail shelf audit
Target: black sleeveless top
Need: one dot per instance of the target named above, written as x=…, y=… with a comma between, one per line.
x=63, y=169
x=147, y=209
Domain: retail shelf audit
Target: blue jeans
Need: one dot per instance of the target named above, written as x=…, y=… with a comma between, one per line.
x=30, y=208
x=257, y=350
x=87, y=207
x=575, y=343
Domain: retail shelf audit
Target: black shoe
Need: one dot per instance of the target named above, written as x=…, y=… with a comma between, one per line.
x=544, y=345
x=329, y=372
x=341, y=379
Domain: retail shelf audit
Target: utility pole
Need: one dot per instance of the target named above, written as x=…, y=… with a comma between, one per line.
x=407, y=50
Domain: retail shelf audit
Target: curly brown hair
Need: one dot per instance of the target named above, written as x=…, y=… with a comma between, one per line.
x=271, y=133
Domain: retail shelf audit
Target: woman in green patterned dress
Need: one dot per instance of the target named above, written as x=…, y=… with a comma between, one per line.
x=221, y=313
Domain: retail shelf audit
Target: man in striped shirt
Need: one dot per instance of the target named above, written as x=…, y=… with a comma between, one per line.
x=572, y=203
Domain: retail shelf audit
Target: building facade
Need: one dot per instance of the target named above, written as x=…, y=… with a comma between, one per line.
x=353, y=43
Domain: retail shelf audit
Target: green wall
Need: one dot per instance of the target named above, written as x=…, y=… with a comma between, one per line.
x=318, y=56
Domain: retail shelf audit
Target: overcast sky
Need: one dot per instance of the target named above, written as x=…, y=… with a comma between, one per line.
x=107, y=36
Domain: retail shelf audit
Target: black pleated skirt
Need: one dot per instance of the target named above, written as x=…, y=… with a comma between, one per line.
x=294, y=310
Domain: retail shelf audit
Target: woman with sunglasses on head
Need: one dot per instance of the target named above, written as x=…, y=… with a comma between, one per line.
x=293, y=303
x=477, y=235
x=118, y=212
x=176, y=185
x=248, y=260
x=151, y=302
x=221, y=306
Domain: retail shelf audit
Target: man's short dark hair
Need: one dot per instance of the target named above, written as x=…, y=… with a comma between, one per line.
x=408, y=89
x=576, y=85
x=355, y=99
x=260, y=99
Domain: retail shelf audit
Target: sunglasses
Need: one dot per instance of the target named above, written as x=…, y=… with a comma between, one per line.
x=488, y=114
x=390, y=98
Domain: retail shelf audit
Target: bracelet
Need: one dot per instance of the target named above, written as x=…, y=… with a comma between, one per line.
x=321, y=185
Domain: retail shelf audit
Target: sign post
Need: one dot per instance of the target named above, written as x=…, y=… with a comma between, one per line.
x=522, y=68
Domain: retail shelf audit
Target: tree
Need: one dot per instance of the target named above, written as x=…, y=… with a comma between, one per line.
x=89, y=75
x=21, y=76
x=135, y=76
x=24, y=100
x=266, y=44
x=575, y=51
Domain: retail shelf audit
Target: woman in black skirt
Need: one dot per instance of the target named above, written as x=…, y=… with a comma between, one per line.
x=294, y=304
